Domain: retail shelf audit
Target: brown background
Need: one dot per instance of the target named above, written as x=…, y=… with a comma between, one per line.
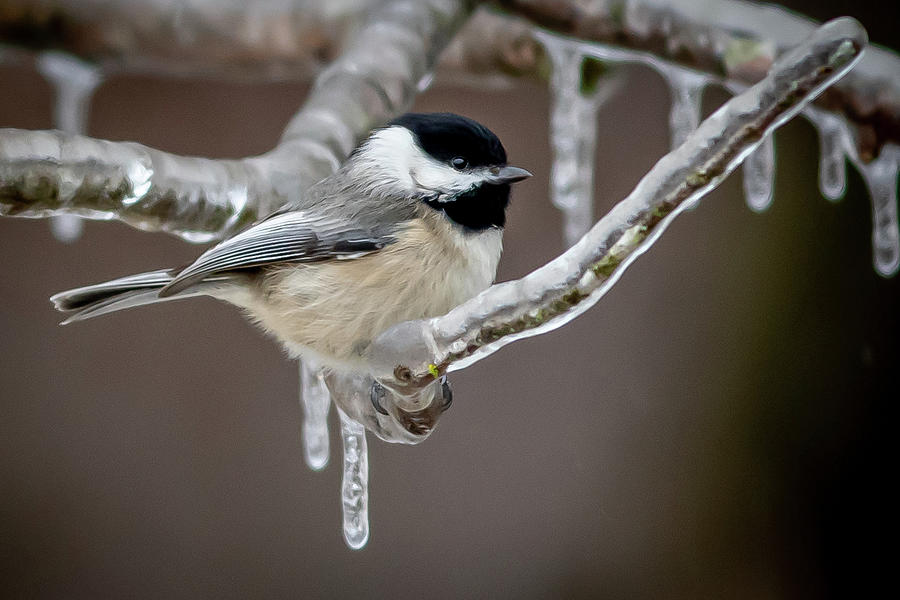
x=716, y=426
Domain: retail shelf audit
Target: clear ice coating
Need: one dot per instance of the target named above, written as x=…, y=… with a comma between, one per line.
x=834, y=144
x=74, y=82
x=880, y=176
x=315, y=400
x=687, y=94
x=354, y=483
x=759, y=175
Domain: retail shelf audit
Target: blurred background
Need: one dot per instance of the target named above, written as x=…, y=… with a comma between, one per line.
x=717, y=426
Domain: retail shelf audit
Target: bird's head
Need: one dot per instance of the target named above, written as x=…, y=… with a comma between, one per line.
x=452, y=164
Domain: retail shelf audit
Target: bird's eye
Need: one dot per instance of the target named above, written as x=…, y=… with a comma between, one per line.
x=459, y=163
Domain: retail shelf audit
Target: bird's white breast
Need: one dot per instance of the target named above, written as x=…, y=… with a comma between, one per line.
x=332, y=310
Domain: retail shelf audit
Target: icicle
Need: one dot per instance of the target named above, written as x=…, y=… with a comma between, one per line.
x=881, y=179
x=573, y=129
x=832, y=166
x=74, y=82
x=759, y=175
x=687, y=93
x=316, y=401
x=834, y=139
x=66, y=228
x=355, y=483
x=573, y=137
x=880, y=175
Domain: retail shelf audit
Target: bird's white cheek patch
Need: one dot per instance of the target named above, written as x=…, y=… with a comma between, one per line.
x=402, y=160
x=431, y=175
x=387, y=157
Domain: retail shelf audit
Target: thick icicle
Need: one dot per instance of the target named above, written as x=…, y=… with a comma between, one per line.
x=834, y=142
x=759, y=175
x=573, y=141
x=74, y=82
x=355, y=483
x=573, y=128
x=881, y=179
x=315, y=400
x=573, y=136
x=687, y=93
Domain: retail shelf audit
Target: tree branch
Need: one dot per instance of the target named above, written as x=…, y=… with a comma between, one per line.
x=735, y=41
x=247, y=41
x=46, y=172
x=409, y=356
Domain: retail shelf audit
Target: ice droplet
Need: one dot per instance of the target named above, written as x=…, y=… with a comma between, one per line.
x=687, y=92
x=315, y=400
x=74, y=82
x=880, y=176
x=834, y=139
x=355, y=482
x=66, y=228
x=759, y=175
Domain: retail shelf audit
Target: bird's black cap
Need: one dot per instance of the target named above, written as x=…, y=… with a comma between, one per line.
x=446, y=136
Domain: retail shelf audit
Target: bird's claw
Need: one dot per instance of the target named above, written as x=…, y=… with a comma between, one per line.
x=376, y=395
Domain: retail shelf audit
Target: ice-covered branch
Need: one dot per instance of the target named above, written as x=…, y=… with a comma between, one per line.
x=410, y=355
x=247, y=41
x=295, y=39
x=731, y=40
x=290, y=39
x=47, y=172
x=74, y=83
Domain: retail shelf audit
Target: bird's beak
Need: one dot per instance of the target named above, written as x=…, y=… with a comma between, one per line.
x=500, y=175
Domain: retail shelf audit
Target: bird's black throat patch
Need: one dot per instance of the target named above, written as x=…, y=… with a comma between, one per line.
x=480, y=208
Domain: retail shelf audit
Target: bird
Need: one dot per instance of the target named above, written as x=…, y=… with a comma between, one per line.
x=409, y=227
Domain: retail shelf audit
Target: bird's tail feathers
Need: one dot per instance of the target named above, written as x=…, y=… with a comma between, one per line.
x=126, y=292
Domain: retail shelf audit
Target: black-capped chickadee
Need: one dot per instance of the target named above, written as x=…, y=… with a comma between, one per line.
x=409, y=227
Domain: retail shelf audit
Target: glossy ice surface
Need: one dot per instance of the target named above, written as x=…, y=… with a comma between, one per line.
x=74, y=82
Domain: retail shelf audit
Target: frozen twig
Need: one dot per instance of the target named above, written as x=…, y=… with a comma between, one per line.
x=49, y=172
x=409, y=356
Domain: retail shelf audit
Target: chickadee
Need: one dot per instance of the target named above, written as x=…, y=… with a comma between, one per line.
x=408, y=228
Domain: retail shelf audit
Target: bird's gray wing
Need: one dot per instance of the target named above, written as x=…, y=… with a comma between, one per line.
x=296, y=236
